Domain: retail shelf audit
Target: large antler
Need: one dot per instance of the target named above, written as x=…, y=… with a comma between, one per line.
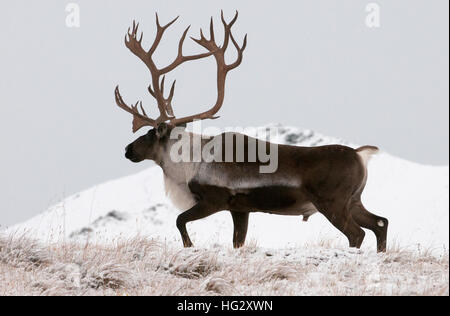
x=156, y=89
x=222, y=67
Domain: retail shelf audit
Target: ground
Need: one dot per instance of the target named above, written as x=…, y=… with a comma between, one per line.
x=142, y=266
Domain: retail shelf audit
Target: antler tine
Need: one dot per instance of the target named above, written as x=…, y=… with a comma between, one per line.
x=171, y=93
x=227, y=27
x=168, y=101
x=133, y=31
x=211, y=30
x=201, y=35
x=165, y=26
x=157, y=20
x=169, y=108
x=181, y=42
x=162, y=85
x=211, y=44
x=181, y=58
x=240, y=51
x=231, y=23
x=142, y=108
x=139, y=120
x=134, y=44
x=222, y=67
x=150, y=90
x=159, y=33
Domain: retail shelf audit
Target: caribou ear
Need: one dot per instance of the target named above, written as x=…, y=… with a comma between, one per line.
x=162, y=130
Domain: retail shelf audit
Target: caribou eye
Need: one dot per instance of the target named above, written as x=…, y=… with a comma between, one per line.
x=150, y=136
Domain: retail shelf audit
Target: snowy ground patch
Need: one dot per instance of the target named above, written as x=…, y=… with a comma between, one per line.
x=143, y=266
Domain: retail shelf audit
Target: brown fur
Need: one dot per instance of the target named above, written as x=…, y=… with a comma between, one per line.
x=326, y=179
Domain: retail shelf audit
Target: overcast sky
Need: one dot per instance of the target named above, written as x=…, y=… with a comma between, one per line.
x=312, y=64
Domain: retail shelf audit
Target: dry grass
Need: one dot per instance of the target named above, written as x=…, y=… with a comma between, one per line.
x=147, y=267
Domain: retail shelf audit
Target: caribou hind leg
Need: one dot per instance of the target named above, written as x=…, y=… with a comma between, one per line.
x=339, y=215
x=240, y=221
x=377, y=224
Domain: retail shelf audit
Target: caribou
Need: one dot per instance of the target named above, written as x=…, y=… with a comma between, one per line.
x=325, y=179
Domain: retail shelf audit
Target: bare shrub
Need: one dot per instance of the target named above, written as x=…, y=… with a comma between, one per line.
x=20, y=251
x=278, y=271
x=142, y=266
x=218, y=286
x=109, y=275
x=194, y=266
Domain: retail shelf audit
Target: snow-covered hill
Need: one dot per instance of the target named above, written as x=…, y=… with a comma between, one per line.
x=415, y=199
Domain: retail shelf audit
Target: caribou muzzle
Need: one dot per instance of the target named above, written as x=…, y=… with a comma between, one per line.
x=130, y=154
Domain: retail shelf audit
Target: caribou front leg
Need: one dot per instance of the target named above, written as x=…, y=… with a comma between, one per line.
x=199, y=211
x=240, y=221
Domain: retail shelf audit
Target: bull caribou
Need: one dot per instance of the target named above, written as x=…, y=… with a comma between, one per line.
x=326, y=179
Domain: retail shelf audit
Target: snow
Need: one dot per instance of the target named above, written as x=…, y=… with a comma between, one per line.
x=414, y=197
x=142, y=267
